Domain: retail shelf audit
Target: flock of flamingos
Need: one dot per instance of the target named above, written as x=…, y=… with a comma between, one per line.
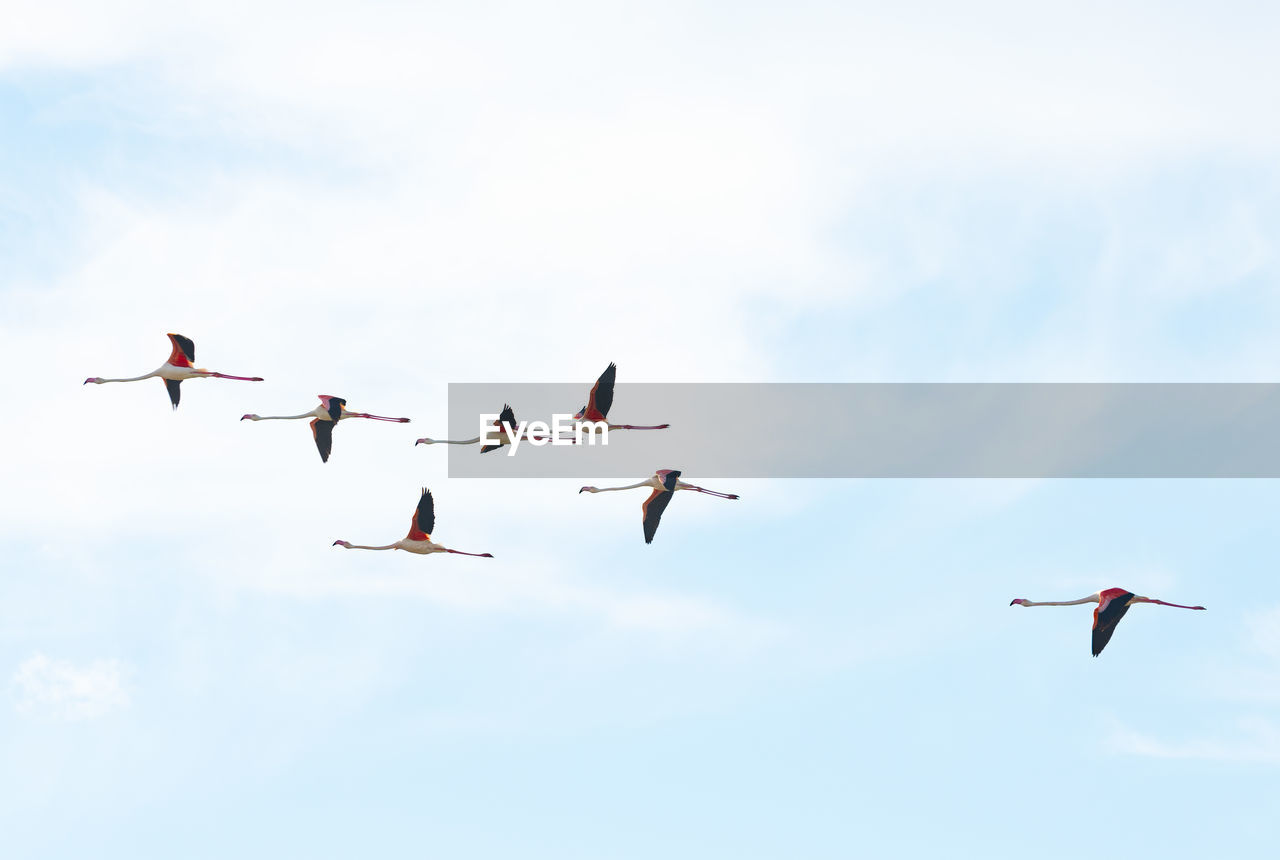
x=1113, y=603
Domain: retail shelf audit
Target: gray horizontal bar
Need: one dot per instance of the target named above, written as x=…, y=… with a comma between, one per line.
x=890, y=430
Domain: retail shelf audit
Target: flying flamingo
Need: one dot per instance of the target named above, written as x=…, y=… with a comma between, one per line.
x=1113, y=603
x=665, y=483
x=176, y=369
x=419, y=538
x=507, y=418
x=601, y=399
x=330, y=411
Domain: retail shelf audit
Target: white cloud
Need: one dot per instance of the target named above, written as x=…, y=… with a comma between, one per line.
x=929, y=76
x=1255, y=739
x=517, y=196
x=1251, y=678
x=524, y=588
x=1263, y=630
x=64, y=691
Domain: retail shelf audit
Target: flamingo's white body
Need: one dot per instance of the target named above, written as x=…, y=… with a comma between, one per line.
x=664, y=483
x=176, y=370
x=497, y=431
x=1113, y=603
x=420, y=547
x=330, y=411
x=601, y=400
x=419, y=538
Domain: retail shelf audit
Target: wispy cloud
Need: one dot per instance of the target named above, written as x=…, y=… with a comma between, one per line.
x=62, y=690
x=1250, y=737
x=532, y=589
x=1263, y=629
x=1255, y=739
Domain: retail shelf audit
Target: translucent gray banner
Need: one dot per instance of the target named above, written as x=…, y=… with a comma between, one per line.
x=915, y=430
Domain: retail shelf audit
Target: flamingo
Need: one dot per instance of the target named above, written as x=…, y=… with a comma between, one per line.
x=665, y=483
x=176, y=369
x=602, y=398
x=507, y=418
x=1113, y=603
x=419, y=538
x=330, y=411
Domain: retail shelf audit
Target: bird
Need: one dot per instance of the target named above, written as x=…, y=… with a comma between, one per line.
x=1113, y=603
x=665, y=483
x=330, y=411
x=176, y=369
x=419, y=538
x=601, y=398
x=506, y=418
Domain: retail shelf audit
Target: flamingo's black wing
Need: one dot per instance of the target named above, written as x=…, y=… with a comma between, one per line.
x=506, y=418
x=602, y=394
x=175, y=391
x=1105, y=619
x=424, y=518
x=652, y=511
x=323, y=433
x=183, y=348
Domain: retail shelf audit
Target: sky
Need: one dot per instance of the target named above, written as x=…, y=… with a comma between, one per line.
x=374, y=201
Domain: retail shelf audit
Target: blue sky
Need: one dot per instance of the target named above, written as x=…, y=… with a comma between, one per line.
x=376, y=204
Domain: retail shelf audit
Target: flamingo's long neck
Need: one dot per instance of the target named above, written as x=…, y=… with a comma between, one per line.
x=99, y=381
x=612, y=489
x=1092, y=598
x=357, y=546
x=280, y=417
